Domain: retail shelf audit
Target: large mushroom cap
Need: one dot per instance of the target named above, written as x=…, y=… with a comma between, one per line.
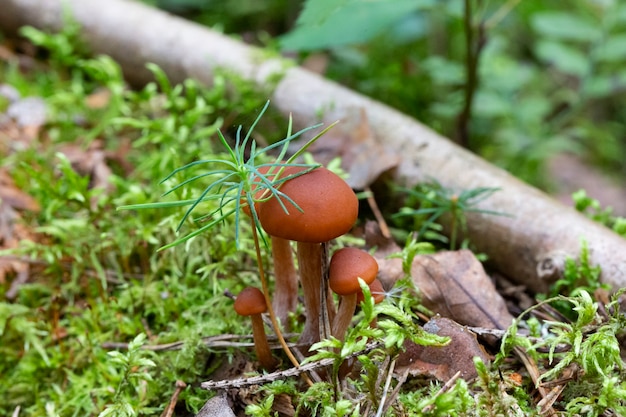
x=250, y=301
x=258, y=193
x=348, y=264
x=329, y=208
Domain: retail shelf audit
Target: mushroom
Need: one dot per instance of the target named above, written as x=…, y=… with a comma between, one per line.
x=347, y=265
x=251, y=302
x=326, y=208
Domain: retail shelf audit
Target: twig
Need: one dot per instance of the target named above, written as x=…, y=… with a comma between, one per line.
x=169, y=410
x=225, y=340
x=383, y=399
x=446, y=387
x=546, y=403
x=396, y=390
x=261, y=379
x=499, y=334
x=533, y=372
x=380, y=219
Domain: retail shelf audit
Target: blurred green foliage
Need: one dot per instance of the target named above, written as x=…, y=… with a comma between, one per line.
x=550, y=76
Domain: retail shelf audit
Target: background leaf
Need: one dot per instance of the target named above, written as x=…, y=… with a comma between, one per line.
x=325, y=23
x=565, y=26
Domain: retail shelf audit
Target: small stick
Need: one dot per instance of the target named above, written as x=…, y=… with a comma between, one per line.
x=546, y=403
x=169, y=410
x=383, y=399
x=261, y=379
x=446, y=387
x=394, y=394
x=380, y=219
x=533, y=372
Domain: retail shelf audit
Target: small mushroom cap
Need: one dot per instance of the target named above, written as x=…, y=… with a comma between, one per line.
x=348, y=264
x=329, y=208
x=377, y=291
x=250, y=301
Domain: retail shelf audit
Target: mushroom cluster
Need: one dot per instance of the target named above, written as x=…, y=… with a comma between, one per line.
x=324, y=207
x=311, y=209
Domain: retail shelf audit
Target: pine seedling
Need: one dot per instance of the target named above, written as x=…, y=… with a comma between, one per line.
x=238, y=181
x=436, y=201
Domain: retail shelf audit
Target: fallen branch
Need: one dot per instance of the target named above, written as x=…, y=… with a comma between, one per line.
x=530, y=246
x=265, y=378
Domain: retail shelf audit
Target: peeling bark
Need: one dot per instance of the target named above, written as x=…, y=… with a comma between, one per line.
x=529, y=246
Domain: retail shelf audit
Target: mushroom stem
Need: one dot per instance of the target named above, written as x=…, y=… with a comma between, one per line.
x=347, y=306
x=310, y=267
x=263, y=351
x=266, y=294
x=286, y=280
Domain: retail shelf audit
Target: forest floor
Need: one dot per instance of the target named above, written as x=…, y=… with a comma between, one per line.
x=95, y=320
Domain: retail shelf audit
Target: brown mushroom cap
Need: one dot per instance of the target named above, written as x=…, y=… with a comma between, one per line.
x=287, y=171
x=329, y=208
x=348, y=264
x=250, y=301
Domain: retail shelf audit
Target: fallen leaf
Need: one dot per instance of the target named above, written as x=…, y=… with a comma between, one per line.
x=13, y=196
x=443, y=362
x=389, y=269
x=455, y=285
x=451, y=283
x=355, y=143
x=13, y=231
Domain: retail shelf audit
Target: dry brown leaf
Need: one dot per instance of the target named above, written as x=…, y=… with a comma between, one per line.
x=12, y=231
x=389, y=269
x=13, y=196
x=354, y=142
x=452, y=283
x=455, y=285
x=443, y=362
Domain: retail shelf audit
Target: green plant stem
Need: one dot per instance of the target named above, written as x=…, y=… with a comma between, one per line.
x=453, y=230
x=473, y=48
x=268, y=301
